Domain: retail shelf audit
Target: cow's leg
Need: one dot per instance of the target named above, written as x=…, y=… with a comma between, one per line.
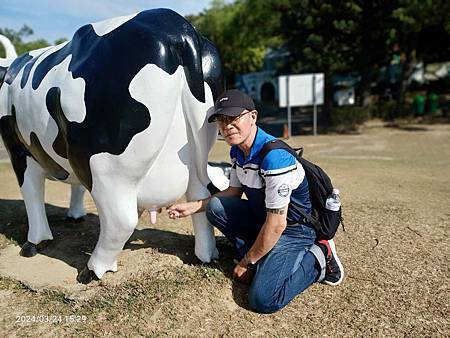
x=76, y=210
x=32, y=189
x=205, y=242
x=116, y=203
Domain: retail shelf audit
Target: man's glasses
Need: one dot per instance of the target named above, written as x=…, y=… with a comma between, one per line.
x=226, y=120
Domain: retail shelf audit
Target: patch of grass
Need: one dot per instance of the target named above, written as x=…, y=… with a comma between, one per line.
x=115, y=309
x=10, y=284
x=146, y=291
x=56, y=297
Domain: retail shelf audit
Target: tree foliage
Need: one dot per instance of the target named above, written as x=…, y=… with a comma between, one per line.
x=17, y=38
x=320, y=35
x=242, y=31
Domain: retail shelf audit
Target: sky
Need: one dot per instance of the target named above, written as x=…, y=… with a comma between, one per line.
x=53, y=19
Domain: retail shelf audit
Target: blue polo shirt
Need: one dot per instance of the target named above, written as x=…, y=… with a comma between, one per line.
x=273, y=183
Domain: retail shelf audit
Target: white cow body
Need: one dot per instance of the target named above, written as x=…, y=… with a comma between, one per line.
x=145, y=155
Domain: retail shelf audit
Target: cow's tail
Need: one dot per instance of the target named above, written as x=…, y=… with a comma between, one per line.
x=10, y=53
x=3, y=91
x=9, y=47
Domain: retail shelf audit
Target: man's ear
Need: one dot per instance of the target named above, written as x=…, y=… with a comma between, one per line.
x=254, y=114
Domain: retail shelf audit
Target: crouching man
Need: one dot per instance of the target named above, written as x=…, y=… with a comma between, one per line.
x=277, y=251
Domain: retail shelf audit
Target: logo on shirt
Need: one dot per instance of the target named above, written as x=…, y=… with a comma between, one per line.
x=283, y=190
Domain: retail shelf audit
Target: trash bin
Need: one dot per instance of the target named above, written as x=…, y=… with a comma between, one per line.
x=432, y=103
x=419, y=105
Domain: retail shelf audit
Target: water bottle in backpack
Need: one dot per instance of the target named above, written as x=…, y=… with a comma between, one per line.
x=333, y=202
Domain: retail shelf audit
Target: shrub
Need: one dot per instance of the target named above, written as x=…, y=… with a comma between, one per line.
x=348, y=118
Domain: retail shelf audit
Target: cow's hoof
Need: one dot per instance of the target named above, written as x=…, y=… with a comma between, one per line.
x=86, y=276
x=74, y=220
x=29, y=250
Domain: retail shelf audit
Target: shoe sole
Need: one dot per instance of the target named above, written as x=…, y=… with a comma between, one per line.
x=338, y=261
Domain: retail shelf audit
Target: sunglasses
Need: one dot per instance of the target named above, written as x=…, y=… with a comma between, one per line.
x=226, y=120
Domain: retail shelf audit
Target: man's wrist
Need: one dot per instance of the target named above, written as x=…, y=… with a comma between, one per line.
x=196, y=206
x=247, y=262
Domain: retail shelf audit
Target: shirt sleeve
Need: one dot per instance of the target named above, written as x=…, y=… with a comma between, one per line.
x=282, y=174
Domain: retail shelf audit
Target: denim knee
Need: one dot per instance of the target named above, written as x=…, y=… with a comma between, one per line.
x=260, y=302
x=213, y=209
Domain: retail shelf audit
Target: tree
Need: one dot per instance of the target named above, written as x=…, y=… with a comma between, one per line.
x=242, y=31
x=356, y=35
x=321, y=37
x=374, y=51
x=414, y=23
x=17, y=37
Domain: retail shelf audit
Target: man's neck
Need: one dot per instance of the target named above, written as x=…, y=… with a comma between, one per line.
x=246, y=146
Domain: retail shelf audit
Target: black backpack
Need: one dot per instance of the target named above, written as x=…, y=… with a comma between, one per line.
x=326, y=222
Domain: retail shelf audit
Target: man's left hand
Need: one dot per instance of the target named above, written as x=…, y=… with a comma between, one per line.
x=242, y=273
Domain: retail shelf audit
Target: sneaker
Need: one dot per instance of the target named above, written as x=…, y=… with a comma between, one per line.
x=334, y=272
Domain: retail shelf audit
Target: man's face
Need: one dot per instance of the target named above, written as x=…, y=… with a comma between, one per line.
x=235, y=130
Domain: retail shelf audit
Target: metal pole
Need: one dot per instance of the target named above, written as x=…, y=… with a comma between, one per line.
x=314, y=105
x=288, y=107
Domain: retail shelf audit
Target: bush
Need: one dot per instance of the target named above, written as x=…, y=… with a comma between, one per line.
x=348, y=118
x=385, y=110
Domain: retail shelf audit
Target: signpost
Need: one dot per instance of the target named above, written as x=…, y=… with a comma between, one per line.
x=301, y=90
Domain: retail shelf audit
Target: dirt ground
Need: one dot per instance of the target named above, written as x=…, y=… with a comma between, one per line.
x=395, y=190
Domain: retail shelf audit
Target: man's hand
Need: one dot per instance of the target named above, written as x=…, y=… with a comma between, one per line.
x=183, y=209
x=242, y=273
x=186, y=209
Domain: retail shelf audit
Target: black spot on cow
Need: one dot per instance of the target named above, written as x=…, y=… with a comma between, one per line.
x=46, y=162
x=108, y=64
x=212, y=68
x=16, y=66
x=17, y=151
x=53, y=102
x=27, y=70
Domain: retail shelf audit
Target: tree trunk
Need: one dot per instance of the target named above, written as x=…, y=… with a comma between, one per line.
x=325, y=116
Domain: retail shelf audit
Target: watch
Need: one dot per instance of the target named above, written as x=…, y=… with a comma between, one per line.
x=248, y=263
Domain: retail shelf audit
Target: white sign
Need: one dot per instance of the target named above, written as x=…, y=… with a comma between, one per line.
x=300, y=89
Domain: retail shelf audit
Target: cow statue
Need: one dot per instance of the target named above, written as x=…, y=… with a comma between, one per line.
x=10, y=51
x=76, y=210
x=122, y=109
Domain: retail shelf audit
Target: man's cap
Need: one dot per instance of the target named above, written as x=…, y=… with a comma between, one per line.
x=232, y=103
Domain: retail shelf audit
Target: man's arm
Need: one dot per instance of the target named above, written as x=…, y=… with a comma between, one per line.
x=268, y=236
x=192, y=207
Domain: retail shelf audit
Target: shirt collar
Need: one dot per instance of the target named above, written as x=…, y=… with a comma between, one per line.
x=261, y=138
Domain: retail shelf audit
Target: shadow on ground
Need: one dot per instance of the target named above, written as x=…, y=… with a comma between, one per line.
x=406, y=127
x=74, y=241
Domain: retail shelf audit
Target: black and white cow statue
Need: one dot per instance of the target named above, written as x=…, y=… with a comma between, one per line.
x=122, y=109
x=76, y=210
x=10, y=51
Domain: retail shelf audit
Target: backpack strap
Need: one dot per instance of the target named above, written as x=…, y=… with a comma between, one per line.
x=279, y=144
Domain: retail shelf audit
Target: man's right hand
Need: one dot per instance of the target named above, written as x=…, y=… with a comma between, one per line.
x=183, y=209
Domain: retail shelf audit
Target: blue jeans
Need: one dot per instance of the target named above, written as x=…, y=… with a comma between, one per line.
x=284, y=272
